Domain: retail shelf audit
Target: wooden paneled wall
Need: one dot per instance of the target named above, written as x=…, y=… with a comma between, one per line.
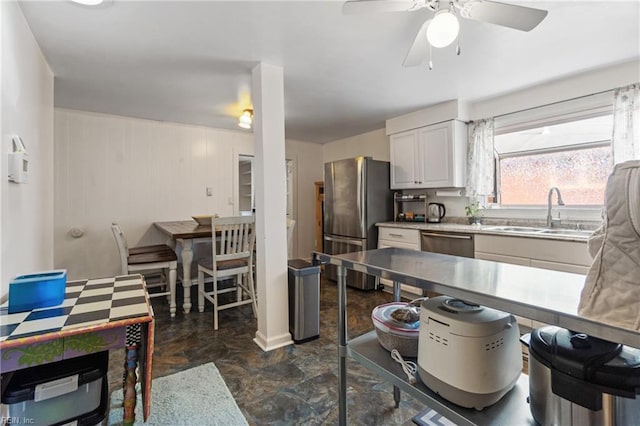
x=136, y=172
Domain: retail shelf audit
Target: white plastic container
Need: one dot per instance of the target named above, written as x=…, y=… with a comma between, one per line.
x=58, y=392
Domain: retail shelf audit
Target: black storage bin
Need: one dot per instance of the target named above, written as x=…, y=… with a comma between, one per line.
x=60, y=392
x=304, y=300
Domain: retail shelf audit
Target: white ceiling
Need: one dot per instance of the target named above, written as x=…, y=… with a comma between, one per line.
x=191, y=62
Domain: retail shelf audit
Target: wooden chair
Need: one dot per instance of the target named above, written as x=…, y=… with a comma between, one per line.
x=232, y=257
x=149, y=259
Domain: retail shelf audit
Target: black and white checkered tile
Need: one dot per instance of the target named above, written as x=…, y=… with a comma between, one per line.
x=431, y=417
x=86, y=303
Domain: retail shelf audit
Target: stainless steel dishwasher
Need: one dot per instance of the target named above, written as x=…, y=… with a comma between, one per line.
x=456, y=244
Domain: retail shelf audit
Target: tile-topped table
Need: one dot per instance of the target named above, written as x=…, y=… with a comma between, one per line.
x=96, y=315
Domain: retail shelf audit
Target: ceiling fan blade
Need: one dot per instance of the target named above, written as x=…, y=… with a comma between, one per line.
x=508, y=15
x=351, y=7
x=418, y=50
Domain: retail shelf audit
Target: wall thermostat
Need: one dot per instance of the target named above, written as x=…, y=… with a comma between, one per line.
x=18, y=161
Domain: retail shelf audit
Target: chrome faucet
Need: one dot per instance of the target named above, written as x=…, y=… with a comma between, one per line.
x=550, y=220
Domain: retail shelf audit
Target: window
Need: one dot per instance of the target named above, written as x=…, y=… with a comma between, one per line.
x=571, y=153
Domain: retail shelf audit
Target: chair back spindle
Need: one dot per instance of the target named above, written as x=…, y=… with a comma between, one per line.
x=233, y=240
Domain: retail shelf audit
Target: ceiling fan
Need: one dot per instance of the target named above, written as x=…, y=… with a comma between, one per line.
x=443, y=28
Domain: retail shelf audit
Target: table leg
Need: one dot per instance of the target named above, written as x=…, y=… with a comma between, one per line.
x=171, y=243
x=396, y=291
x=130, y=385
x=187, y=258
x=396, y=298
x=172, y=291
x=342, y=345
x=132, y=344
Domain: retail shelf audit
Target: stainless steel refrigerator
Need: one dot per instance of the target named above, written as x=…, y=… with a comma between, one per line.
x=356, y=197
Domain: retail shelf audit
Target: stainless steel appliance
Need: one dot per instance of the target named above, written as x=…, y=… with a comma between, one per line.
x=304, y=300
x=456, y=244
x=467, y=353
x=356, y=197
x=435, y=212
x=576, y=379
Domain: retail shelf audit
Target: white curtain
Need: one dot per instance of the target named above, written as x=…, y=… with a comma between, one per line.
x=480, y=160
x=626, y=124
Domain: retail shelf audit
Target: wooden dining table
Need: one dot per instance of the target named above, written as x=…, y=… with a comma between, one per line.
x=187, y=233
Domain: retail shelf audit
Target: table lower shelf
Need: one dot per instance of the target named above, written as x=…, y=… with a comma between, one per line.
x=512, y=409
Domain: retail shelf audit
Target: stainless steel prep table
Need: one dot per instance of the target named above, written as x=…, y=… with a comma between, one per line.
x=544, y=295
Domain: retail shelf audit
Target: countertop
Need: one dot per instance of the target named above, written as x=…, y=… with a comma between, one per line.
x=480, y=229
x=544, y=295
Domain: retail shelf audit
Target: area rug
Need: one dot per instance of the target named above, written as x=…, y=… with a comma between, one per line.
x=198, y=396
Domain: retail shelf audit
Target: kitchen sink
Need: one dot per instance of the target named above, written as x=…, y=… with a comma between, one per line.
x=540, y=231
x=568, y=232
x=519, y=229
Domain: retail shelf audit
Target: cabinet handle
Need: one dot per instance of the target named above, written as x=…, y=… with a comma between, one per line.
x=458, y=237
x=396, y=235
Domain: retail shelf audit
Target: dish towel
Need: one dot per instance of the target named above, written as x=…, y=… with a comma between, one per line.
x=611, y=293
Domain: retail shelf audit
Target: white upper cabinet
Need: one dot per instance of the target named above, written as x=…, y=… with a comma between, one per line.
x=404, y=161
x=429, y=157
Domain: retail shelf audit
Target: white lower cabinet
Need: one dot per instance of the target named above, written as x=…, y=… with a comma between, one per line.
x=558, y=266
x=401, y=238
x=565, y=256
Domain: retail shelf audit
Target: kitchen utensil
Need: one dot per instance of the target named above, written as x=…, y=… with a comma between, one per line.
x=435, y=212
x=467, y=353
x=576, y=379
x=392, y=333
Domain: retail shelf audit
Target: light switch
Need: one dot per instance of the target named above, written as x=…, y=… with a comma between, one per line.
x=209, y=191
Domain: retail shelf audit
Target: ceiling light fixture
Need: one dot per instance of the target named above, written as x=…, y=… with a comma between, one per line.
x=245, y=119
x=443, y=28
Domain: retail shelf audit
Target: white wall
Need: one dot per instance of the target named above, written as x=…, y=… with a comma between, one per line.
x=26, y=230
x=376, y=143
x=307, y=169
x=136, y=172
x=587, y=83
x=371, y=144
x=3, y=290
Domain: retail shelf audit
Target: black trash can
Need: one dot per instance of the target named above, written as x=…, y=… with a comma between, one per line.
x=304, y=300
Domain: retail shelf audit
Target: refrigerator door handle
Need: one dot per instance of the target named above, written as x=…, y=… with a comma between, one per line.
x=349, y=241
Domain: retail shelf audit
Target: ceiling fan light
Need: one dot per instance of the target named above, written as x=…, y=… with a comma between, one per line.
x=443, y=29
x=246, y=119
x=88, y=2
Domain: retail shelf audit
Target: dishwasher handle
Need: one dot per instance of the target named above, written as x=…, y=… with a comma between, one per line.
x=457, y=237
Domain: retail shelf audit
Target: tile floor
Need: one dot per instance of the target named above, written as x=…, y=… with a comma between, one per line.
x=289, y=386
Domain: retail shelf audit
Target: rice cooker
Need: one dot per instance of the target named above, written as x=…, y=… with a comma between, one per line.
x=576, y=379
x=467, y=353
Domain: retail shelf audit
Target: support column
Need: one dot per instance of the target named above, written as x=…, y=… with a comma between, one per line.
x=270, y=195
